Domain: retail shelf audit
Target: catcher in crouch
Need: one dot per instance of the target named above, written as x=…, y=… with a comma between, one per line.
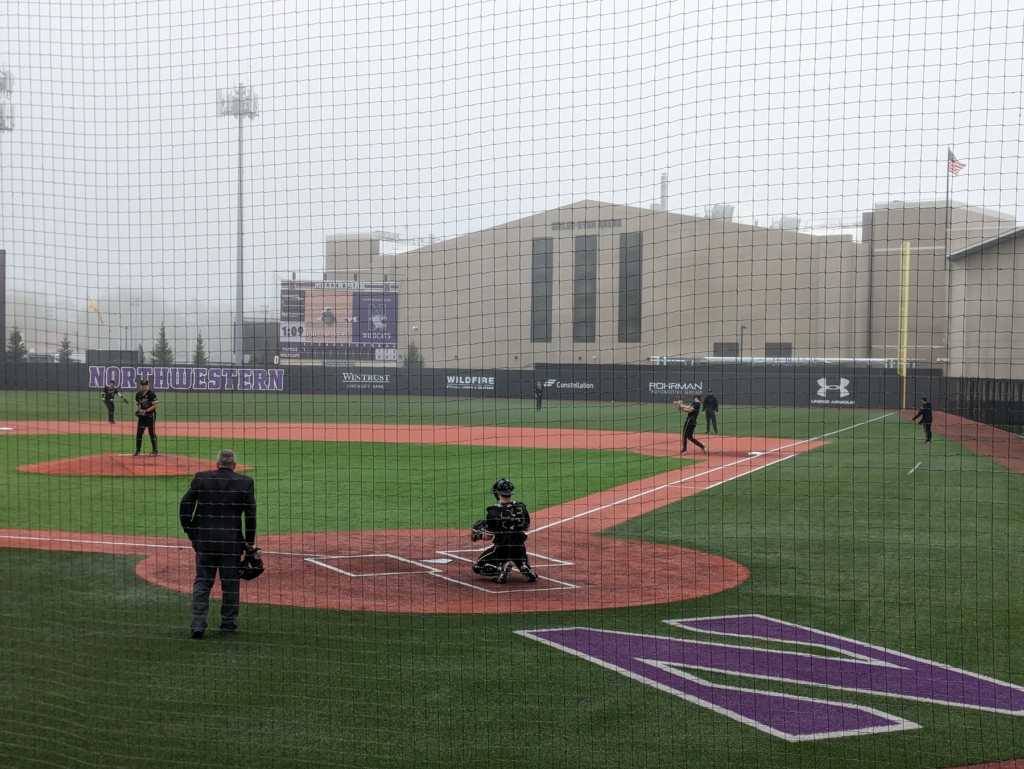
x=506, y=523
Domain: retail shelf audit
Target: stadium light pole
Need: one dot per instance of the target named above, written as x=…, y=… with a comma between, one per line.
x=6, y=109
x=6, y=124
x=242, y=101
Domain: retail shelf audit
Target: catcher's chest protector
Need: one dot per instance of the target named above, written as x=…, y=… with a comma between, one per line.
x=512, y=517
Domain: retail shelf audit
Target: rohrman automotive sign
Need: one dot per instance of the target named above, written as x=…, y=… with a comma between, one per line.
x=676, y=388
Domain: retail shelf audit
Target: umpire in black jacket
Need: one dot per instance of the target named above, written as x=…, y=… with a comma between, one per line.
x=212, y=513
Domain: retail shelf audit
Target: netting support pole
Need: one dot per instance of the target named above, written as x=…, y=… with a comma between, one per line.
x=239, y=289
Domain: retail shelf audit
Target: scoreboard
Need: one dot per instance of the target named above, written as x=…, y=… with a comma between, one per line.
x=320, y=315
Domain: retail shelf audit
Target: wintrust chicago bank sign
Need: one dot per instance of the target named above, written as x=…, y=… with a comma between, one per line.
x=355, y=381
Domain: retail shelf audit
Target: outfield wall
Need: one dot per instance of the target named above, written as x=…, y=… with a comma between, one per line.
x=826, y=386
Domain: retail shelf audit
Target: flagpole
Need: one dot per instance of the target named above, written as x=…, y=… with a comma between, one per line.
x=945, y=261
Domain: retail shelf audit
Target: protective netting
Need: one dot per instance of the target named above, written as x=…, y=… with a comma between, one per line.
x=561, y=360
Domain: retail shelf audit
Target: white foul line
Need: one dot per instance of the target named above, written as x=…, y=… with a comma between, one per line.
x=715, y=470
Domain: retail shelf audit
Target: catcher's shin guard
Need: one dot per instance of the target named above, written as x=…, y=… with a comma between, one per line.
x=487, y=569
x=503, y=572
x=526, y=571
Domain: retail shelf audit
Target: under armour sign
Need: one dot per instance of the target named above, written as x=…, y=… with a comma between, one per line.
x=833, y=391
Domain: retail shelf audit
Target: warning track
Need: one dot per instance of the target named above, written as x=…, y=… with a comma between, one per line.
x=427, y=571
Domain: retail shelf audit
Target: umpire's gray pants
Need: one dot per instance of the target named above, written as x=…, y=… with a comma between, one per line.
x=207, y=566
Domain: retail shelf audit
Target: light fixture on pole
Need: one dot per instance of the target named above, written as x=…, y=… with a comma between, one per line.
x=242, y=101
x=6, y=108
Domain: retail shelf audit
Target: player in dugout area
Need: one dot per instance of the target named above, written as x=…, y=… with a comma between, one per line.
x=145, y=410
x=506, y=524
x=107, y=396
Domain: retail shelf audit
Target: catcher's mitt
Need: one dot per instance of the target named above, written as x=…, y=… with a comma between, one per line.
x=476, y=533
x=252, y=565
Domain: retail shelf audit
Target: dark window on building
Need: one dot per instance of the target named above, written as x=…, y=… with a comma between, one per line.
x=543, y=278
x=631, y=254
x=727, y=349
x=584, y=289
x=778, y=349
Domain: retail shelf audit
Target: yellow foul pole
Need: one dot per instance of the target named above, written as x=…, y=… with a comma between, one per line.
x=904, y=316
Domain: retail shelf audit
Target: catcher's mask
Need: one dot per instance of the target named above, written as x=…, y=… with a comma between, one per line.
x=252, y=565
x=501, y=488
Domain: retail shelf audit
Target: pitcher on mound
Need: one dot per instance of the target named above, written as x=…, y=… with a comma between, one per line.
x=506, y=524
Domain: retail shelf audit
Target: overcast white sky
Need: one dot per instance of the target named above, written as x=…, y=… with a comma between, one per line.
x=445, y=117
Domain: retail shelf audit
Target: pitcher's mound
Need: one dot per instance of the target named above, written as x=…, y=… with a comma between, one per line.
x=126, y=464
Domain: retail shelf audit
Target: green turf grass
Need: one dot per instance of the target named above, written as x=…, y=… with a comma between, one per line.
x=98, y=670
x=378, y=409
x=308, y=486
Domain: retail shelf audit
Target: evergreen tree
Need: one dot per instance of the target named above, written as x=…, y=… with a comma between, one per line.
x=17, y=352
x=199, y=357
x=162, y=354
x=414, y=358
x=65, y=350
x=142, y=356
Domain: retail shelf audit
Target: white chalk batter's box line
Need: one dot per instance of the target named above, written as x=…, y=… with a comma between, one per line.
x=432, y=571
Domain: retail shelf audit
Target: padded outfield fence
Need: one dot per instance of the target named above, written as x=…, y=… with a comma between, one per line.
x=389, y=254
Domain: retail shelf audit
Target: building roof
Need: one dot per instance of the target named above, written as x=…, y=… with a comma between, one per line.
x=988, y=244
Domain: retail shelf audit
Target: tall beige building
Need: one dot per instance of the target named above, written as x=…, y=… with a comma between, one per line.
x=986, y=328
x=600, y=283
x=932, y=234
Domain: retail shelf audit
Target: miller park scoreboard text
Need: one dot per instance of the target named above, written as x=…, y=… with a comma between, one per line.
x=320, y=316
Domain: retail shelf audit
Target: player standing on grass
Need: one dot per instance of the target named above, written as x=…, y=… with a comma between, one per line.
x=506, y=523
x=107, y=396
x=145, y=410
x=925, y=415
x=692, y=412
x=710, y=413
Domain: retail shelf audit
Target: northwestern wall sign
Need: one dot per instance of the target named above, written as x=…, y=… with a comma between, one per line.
x=188, y=378
x=680, y=666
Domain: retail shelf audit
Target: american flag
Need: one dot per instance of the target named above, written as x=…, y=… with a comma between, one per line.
x=955, y=166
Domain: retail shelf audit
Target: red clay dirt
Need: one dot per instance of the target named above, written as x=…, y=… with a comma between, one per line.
x=125, y=465
x=651, y=444
x=428, y=571
x=998, y=445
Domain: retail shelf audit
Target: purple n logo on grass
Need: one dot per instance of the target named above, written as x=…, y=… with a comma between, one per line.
x=665, y=663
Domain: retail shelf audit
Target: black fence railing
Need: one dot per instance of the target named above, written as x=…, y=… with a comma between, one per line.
x=995, y=402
